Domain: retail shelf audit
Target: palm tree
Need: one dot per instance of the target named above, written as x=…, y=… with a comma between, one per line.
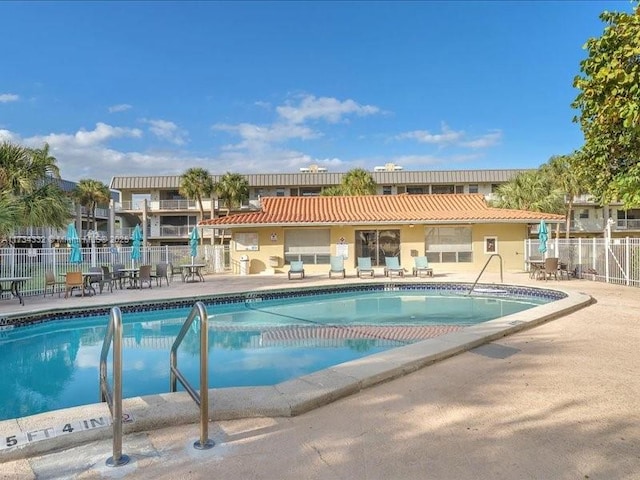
x=28, y=195
x=532, y=191
x=195, y=184
x=91, y=193
x=358, y=182
x=562, y=175
x=332, y=191
x=232, y=190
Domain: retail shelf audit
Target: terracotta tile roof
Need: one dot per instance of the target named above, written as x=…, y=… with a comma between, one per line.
x=379, y=209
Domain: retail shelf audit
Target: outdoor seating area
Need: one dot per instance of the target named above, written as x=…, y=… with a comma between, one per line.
x=364, y=267
x=421, y=267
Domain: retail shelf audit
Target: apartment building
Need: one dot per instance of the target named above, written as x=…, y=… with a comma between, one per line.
x=155, y=201
x=39, y=237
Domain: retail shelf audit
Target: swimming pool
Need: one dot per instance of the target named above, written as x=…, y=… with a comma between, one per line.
x=51, y=361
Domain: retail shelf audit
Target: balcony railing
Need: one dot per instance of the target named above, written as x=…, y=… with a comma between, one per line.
x=631, y=224
x=175, y=231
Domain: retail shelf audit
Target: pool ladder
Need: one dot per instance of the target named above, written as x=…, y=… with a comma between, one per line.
x=484, y=268
x=202, y=398
x=113, y=399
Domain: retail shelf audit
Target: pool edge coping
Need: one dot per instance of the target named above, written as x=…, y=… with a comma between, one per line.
x=286, y=399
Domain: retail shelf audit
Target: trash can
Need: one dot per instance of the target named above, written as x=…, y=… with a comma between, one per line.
x=244, y=265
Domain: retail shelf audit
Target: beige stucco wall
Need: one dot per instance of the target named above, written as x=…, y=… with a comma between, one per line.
x=510, y=246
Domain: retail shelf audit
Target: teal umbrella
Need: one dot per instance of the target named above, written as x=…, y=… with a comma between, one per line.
x=193, y=243
x=543, y=236
x=136, y=249
x=75, y=256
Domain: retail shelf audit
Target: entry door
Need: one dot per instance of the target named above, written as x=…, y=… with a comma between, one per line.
x=377, y=244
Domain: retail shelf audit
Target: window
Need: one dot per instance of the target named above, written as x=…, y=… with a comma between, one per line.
x=386, y=190
x=417, y=190
x=490, y=245
x=377, y=244
x=449, y=244
x=473, y=188
x=459, y=188
x=279, y=192
x=584, y=213
x=442, y=189
x=401, y=189
x=312, y=246
x=294, y=192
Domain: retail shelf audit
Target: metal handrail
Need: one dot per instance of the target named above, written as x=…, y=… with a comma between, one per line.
x=483, y=269
x=201, y=399
x=114, y=401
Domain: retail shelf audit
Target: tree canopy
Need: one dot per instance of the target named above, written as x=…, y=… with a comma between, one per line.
x=355, y=182
x=232, y=189
x=29, y=195
x=196, y=183
x=609, y=110
x=91, y=193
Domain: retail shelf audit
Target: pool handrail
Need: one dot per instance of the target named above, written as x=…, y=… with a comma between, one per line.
x=114, y=400
x=483, y=269
x=201, y=399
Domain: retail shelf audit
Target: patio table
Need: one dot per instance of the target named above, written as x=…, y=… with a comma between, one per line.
x=14, y=286
x=192, y=271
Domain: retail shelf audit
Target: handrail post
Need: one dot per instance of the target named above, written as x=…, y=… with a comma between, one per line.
x=114, y=401
x=201, y=399
x=483, y=269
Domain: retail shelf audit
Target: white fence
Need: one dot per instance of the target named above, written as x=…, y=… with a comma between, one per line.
x=613, y=261
x=33, y=262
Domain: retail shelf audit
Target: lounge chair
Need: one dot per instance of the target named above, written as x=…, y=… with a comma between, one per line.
x=51, y=281
x=296, y=268
x=337, y=266
x=364, y=267
x=421, y=267
x=391, y=266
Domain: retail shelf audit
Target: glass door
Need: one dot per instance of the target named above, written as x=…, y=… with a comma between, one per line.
x=377, y=244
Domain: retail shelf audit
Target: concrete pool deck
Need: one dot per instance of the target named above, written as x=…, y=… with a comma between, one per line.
x=556, y=401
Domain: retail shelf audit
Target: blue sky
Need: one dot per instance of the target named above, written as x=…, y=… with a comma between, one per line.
x=154, y=88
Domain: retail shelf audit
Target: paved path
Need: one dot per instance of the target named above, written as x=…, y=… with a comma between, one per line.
x=556, y=402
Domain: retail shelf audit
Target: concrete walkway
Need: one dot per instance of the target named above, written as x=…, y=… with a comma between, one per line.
x=556, y=402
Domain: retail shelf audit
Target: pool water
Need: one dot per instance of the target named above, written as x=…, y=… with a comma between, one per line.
x=55, y=364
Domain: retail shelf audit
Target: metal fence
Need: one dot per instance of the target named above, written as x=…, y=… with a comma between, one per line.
x=34, y=262
x=615, y=260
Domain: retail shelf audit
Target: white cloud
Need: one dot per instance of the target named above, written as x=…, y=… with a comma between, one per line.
x=446, y=137
x=330, y=109
x=8, y=97
x=121, y=107
x=256, y=136
x=167, y=130
x=484, y=141
x=83, y=138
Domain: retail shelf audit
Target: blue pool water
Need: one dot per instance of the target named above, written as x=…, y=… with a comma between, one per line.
x=54, y=364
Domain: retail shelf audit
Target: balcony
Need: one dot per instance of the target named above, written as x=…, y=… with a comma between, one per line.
x=628, y=224
x=166, y=205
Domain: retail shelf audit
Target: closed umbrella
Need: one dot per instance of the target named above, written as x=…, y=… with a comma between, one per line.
x=543, y=236
x=193, y=243
x=75, y=256
x=136, y=249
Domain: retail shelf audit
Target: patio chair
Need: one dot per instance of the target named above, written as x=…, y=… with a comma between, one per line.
x=95, y=279
x=337, y=266
x=144, y=276
x=51, y=281
x=391, y=266
x=73, y=280
x=118, y=275
x=421, y=266
x=550, y=269
x=296, y=268
x=107, y=278
x=175, y=270
x=162, y=271
x=364, y=267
